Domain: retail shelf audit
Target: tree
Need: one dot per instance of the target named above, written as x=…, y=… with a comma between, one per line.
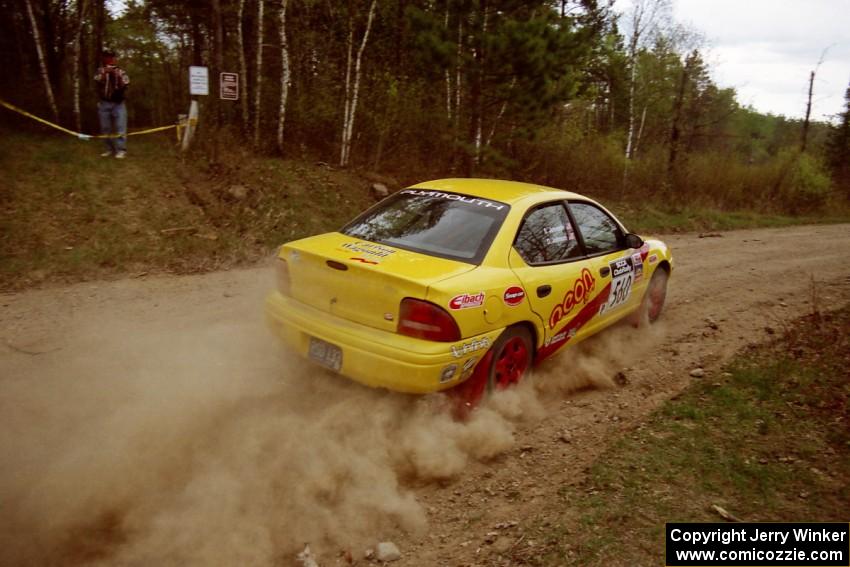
x=838, y=147
x=352, y=84
x=42, y=61
x=258, y=73
x=284, y=74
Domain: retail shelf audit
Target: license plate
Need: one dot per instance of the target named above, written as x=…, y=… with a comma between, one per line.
x=326, y=354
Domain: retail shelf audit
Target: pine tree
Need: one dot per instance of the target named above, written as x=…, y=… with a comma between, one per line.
x=838, y=148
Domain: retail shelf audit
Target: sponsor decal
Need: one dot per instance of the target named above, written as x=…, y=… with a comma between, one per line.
x=369, y=249
x=364, y=260
x=653, y=258
x=560, y=337
x=637, y=262
x=563, y=335
x=468, y=367
x=295, y=256
x=514, y=295
x=467, y=300
x=623, y=274
x=578, y=295
x=461, y=350
x=455, y=197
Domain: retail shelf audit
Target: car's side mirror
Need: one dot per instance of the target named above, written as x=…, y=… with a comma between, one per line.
x=633, y=241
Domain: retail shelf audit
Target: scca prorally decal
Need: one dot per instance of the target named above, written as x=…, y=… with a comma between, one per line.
x=461, y=350
x=579, y=294
x=623, y=275
x=369, y=248
x=364, y=261
x=467, y=300
x=514, y=295
x=455, y=197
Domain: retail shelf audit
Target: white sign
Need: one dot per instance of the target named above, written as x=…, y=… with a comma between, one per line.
x=199, y=81
x=228, y=86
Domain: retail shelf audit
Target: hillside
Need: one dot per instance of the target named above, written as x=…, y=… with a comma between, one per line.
x=69, y=215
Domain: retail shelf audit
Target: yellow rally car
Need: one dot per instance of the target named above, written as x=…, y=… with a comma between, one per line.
x=464, y=284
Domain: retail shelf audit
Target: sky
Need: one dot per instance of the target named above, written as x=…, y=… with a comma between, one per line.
x=766, y=49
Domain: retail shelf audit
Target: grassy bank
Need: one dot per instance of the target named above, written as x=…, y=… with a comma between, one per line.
x=768, y=440
x=67, y=214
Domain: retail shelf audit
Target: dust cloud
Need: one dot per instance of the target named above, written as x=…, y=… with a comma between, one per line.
x=211, y=446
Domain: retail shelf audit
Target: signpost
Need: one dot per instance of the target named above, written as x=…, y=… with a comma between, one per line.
x=228, y=86
x=199, y=81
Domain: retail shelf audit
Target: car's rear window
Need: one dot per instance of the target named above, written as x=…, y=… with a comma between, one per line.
x=438, y=223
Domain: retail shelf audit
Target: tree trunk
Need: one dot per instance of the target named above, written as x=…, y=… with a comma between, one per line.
x=349, y=61
x=78, y=36
x=243, y=67
x=285, y=75
x=48, y=89
x=675, y=130
x=808, y=114
x=99, y=26
x=258, y=80
x=351, y=109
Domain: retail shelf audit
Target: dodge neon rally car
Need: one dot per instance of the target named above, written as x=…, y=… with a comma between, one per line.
x=462, y=282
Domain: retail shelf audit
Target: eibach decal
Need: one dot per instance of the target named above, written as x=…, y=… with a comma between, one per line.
x=578, y=294
x=513, y=296
x=622, y=277
x=364, y=261
x=369, y=248
x=467, y=300
x=455, y=197
x=653, y=259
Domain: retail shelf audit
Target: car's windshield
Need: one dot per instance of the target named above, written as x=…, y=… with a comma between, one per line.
x=438, y=223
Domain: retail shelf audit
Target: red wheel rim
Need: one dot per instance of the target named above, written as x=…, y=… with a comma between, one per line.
x=512, y=363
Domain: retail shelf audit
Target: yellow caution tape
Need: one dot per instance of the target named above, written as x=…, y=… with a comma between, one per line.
x=79, y=135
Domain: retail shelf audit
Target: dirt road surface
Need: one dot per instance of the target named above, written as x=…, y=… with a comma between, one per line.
x=154, y=420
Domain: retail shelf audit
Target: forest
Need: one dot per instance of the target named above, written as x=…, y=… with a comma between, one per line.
x=568, y=93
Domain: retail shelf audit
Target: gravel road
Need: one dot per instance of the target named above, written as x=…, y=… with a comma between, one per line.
x=153, y=420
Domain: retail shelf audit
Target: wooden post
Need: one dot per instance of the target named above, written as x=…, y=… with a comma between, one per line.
x=191, y=124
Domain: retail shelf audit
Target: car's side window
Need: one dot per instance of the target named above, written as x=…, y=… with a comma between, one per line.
x=546, y=235
x=598, y=230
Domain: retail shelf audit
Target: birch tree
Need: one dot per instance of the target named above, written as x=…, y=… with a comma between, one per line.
x=243, y=67
x=78, y=38
x=645, y=17
x=42, y=63
x=285, y=74
x=258, y=82
x=352, y=85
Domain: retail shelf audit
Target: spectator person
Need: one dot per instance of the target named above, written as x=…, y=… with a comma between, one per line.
x=112, y=82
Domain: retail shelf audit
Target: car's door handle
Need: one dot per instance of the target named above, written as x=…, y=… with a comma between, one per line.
x=604, y=271
x=544, y=290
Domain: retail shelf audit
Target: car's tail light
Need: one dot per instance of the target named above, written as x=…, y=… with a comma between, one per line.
x=425, y=320
x=283, y=281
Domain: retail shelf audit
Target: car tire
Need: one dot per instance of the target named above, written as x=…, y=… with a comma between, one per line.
x=653, y=299
x=512, y=355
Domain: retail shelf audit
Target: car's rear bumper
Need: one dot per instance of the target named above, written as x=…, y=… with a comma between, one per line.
x=374, y=357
